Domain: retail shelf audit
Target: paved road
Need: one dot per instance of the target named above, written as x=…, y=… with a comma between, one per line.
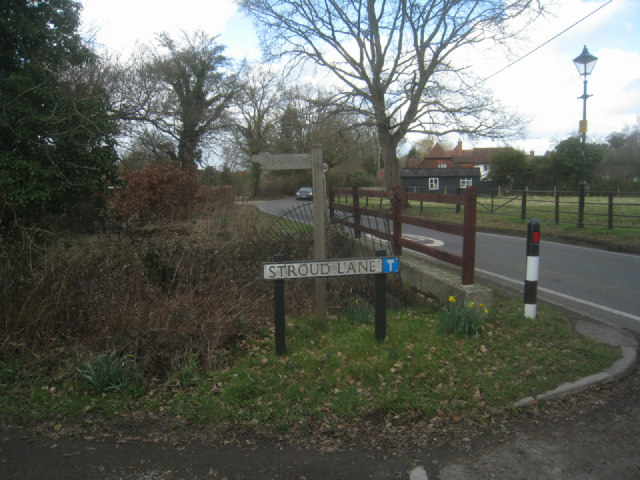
x=589, y=281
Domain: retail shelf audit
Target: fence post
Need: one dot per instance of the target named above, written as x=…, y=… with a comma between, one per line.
x=469, y=238
x=523, y=206
x=533, y=265
x=396, y=210
x=332, y=210
x=610, y=212
x=356, y=211
x=493, y=194
x=458, y=192
x=556, y=194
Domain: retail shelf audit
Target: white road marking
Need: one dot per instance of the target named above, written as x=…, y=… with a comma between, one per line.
x=419, y=238
x=566, y=297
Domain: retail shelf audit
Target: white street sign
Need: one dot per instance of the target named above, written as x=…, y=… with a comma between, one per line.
x=329, y=268
x=288, y=161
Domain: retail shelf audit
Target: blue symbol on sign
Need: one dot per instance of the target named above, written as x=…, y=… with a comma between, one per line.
x=390, y=265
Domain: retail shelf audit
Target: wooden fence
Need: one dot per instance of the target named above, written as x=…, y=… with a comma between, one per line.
x=396, y=200
x=608, y=209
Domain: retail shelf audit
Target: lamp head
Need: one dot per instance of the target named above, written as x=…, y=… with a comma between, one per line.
x=585, y=62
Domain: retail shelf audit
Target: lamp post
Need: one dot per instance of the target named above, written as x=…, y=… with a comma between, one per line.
x=584, y=63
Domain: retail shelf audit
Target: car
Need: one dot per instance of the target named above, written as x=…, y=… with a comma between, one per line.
x=304, y=193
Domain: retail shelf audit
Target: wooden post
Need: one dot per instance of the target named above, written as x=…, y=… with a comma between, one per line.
x=610, y=212
x=356, y=211
x=523, y=206
x=332, y=210
x=469, y=238
x=556, y=194
x=319, y=229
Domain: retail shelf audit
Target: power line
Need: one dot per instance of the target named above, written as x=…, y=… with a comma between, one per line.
x=545, y=43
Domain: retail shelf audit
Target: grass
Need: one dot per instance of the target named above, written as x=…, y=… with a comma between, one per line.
x=184, y=303
x=337, y=373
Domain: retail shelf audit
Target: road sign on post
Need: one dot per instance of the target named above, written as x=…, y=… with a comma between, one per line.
x=280, y=271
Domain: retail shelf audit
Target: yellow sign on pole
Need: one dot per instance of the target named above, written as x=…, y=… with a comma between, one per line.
x=582, y=127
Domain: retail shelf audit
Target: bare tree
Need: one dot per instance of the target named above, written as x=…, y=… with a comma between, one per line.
x=396, y=60
x=175, y=97
x=258, y=105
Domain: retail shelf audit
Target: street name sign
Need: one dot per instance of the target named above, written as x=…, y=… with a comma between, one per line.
x=329, y=268
x=288, y=161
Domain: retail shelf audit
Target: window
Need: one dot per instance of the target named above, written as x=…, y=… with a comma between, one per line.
x=442, y=165
x=466, y=182
x=434, y=184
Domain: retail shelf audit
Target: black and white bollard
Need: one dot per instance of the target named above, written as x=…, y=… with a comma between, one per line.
x=533, y=264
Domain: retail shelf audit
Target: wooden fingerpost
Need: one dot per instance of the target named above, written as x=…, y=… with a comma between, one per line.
x=319, y=229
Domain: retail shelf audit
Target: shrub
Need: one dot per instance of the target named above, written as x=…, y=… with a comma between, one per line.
x=357, y=311
x=160, y=191
x=111, y=372
x=461, y=319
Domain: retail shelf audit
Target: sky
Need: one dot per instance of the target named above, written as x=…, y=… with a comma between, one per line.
x=543, y=85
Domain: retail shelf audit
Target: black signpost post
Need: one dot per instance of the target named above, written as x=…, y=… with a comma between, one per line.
x=278, y=309
x=381, y=302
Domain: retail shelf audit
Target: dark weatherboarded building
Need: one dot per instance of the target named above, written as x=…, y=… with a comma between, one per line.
x=439, y=180
x=447, y=170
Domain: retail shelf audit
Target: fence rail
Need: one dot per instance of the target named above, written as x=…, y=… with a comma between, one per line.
x=395, y=200
x=607, y=209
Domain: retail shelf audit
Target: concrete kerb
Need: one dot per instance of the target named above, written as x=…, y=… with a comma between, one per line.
x=602, y=333
x=429, y=278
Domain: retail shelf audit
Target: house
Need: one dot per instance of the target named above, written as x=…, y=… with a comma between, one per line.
x=447, y=170
x=439, y=180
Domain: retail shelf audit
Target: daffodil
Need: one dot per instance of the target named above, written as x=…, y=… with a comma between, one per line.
x=452, y=299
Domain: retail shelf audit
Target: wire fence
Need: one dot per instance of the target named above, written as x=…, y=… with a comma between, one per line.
x=613, y=210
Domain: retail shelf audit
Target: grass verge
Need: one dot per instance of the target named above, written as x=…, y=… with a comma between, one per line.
x=335, y=374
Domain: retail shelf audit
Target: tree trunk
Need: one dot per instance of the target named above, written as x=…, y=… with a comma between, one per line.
x=390, y=159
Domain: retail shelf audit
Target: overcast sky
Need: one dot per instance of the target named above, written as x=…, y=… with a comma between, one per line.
x=543, y=87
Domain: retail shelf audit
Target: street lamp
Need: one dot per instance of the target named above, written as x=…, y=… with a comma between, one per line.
x=584, y=63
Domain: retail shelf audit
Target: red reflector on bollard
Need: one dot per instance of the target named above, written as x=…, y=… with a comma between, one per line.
x=535, y=237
